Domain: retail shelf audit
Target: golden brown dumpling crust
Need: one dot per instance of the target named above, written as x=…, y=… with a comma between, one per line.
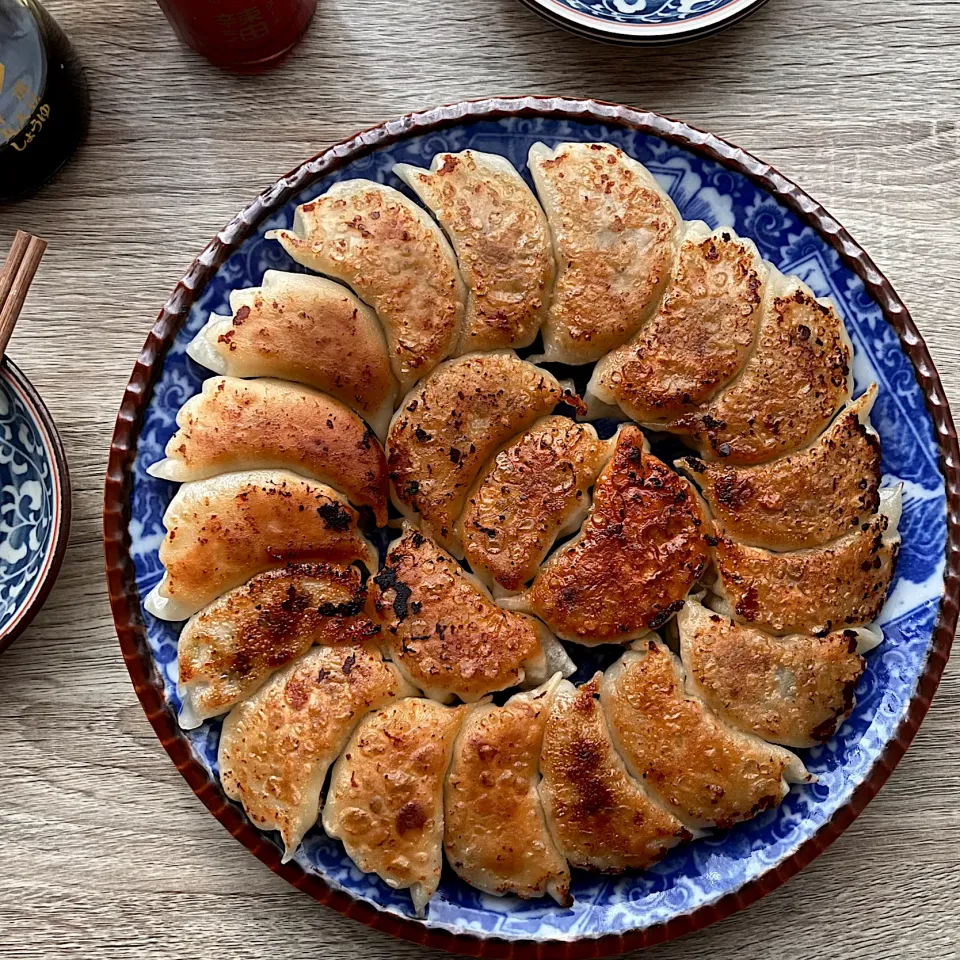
x=309, y=330
x=261, y=424
x=495, y=834
x=526, y=496
x=805, y=499
x=449, y=637
x=386, y=794
x=397, y=260
x=706, y=773
x=843, y=584
x=502, y=243
x=601, y=818
x=699, y=338
x=451, y=423
x=222, y=531
x=790, y=389
x=276, y=746
x=640, y=551
x=614, y=237
x=229, y=649
x=792, y=690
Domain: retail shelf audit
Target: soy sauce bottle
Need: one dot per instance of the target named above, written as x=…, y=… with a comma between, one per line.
x=44, y=100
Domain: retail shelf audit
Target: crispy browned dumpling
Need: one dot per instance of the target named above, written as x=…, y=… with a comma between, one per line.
x=229, y=649
x=309, y=330
x=638, y=554
x=708, y=774
x=601, y=818
x=495, y=834
x=276, y=746
x=225, y=530
x=385, y=800
x=794, y=382
x=446, y=633
x=236, y=425
x=615, y=235
x=793, y=690
x=699, y=338
x=842, y=584
x=804, y=499
x=396, y=259
x=451, y=423
x=532, y=491
x=501, y=239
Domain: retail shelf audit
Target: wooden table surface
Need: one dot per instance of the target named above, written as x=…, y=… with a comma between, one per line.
x=104, y=851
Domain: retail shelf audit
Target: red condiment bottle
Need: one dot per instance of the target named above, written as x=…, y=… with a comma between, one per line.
x=240, y=34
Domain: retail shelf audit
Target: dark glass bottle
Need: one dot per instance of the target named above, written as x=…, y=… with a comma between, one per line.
x=44, y=101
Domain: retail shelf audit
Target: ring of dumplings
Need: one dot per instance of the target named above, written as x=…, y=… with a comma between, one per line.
x=414, y=700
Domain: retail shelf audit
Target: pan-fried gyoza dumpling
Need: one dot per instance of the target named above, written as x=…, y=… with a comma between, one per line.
x=804, y=499
x=700, y=337
x=395, y=258
x=792, y=690
x=451, y=423
x=385, y=800
x=276, y=746
x=842, y=584
x=535, y=489
x=501, y=239
x=615, y=235
x=225, y=530
x=229, y=649
x=707, y=774
x=236, y=425
x=796, y=379
x=495, y=833
x=600, y=817
x=445, y=632
x=639, y=552
x=309, y=330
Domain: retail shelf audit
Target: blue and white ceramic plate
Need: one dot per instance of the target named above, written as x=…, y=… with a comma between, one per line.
x=704, y=880
x=34, y=503
x=645, y=22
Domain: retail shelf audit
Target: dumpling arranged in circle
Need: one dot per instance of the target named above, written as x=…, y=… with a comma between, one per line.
x=501, y=239
x=395, y=258
x=309, y=330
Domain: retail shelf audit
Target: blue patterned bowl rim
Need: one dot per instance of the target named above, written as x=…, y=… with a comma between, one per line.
x=125, y=599
x=49, y=464
x=639, y=23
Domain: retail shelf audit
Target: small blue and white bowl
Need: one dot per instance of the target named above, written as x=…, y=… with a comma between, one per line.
x=35, y=503
x=644, y=22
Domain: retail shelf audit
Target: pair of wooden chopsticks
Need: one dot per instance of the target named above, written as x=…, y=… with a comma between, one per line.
x=18, y=273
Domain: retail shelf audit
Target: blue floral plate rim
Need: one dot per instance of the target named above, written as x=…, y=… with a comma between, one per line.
x=125, y=598
x=669, y=22
x=57, y=495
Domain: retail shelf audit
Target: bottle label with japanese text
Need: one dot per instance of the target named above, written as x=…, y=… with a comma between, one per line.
x=23, y=69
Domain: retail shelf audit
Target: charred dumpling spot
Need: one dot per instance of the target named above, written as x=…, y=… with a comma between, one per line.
x=794, y=690
x=262, y=424
x=700, y=337
x=395, y=258
x=638, y=554
x=449, y=425
x=814, y=591
x=614, y=236
x=706, y=773
x=229, y=649
x=794, y=382
x=501, y=239
x=601, y=818
x=225, y=530
x=385, y=800
x=805, y=499
x=446, y=633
